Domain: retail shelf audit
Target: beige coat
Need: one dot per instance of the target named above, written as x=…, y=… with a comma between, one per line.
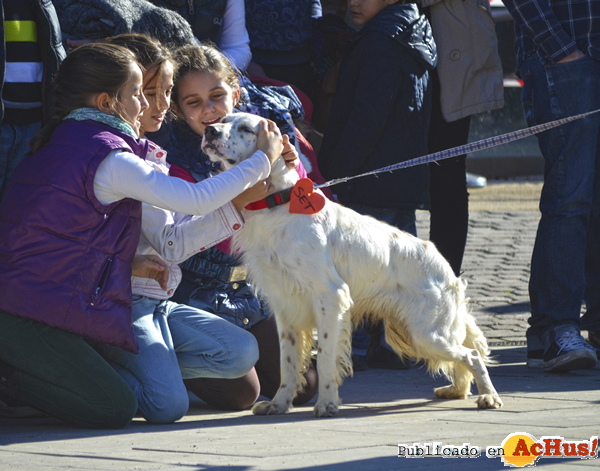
x=469, y=66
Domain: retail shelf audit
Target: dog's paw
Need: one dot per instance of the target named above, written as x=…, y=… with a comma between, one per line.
x=450, y=392
x=489, y=401
x=326, y=409
x=268, y=408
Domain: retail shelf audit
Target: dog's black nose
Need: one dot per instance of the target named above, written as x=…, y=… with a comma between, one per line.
x=211, y=131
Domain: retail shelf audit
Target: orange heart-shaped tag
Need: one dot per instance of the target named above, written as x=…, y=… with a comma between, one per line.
x=304, y=199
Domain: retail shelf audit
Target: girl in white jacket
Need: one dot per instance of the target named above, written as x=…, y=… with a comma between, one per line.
x=177, y=341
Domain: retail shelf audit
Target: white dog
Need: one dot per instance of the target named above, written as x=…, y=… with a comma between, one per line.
x=327, y=270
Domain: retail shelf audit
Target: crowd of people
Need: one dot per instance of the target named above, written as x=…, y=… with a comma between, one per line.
x=119, y=294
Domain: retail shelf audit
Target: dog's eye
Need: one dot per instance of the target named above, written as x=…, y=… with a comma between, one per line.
x=247, y=129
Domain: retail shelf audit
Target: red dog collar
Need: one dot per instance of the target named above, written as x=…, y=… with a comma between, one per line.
x=271, y=201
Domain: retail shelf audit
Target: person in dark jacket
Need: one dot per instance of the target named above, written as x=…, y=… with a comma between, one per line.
x=30, y=55
x=380, y=116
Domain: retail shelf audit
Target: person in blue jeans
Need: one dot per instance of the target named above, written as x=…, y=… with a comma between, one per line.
x=558, y=53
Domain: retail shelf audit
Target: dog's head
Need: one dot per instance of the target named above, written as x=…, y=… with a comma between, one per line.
x=232, y=140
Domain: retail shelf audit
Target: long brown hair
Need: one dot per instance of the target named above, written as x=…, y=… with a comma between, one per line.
x=148, y=51
x=88, y=70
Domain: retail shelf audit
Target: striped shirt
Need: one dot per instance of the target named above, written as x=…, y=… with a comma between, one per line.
x=22, y=92
x=555, y=28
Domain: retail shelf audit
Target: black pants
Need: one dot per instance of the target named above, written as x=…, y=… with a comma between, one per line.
x=448, y=185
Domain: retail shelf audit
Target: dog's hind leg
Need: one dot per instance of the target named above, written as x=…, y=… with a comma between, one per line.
x=291, y=345
x=461, y=363
x=464, y=365
x=475, y=340
x=461, y=378
x=397, y=337
x=467, y=365
x=488, y=396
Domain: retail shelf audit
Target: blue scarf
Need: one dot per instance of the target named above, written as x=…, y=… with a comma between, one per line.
x=94, y=114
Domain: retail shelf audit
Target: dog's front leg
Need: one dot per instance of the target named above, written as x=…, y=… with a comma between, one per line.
x=290, y=341
x=333, y=357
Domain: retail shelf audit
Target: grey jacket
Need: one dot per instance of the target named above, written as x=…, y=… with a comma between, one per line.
x=469, y=66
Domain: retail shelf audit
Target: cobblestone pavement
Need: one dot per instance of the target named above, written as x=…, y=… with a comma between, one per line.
x=496, y=266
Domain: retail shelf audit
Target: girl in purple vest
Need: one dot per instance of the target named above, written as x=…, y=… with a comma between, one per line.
x=70, y=224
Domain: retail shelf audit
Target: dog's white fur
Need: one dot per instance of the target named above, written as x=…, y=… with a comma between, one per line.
x=327, y=270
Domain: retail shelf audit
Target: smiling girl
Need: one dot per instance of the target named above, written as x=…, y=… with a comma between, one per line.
x=206, y=90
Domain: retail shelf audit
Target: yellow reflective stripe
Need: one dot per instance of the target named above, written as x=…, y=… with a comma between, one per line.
x=20, y=31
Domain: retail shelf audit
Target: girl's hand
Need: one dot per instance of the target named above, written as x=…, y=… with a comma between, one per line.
x=254, y=193
x=151, y=266
x=269, y=140
x=289, y=153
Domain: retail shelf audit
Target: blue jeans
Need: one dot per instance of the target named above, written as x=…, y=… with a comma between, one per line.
x=14, y=145
x=403, y=219
x=565, y=266
x=177, y=341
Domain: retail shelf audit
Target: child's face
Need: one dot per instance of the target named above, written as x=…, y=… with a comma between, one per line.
x=204, y=98
x=132, y=101
x=363, y=11
x=158, y=85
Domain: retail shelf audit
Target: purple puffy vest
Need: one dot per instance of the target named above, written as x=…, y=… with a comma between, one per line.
x=65, y=259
